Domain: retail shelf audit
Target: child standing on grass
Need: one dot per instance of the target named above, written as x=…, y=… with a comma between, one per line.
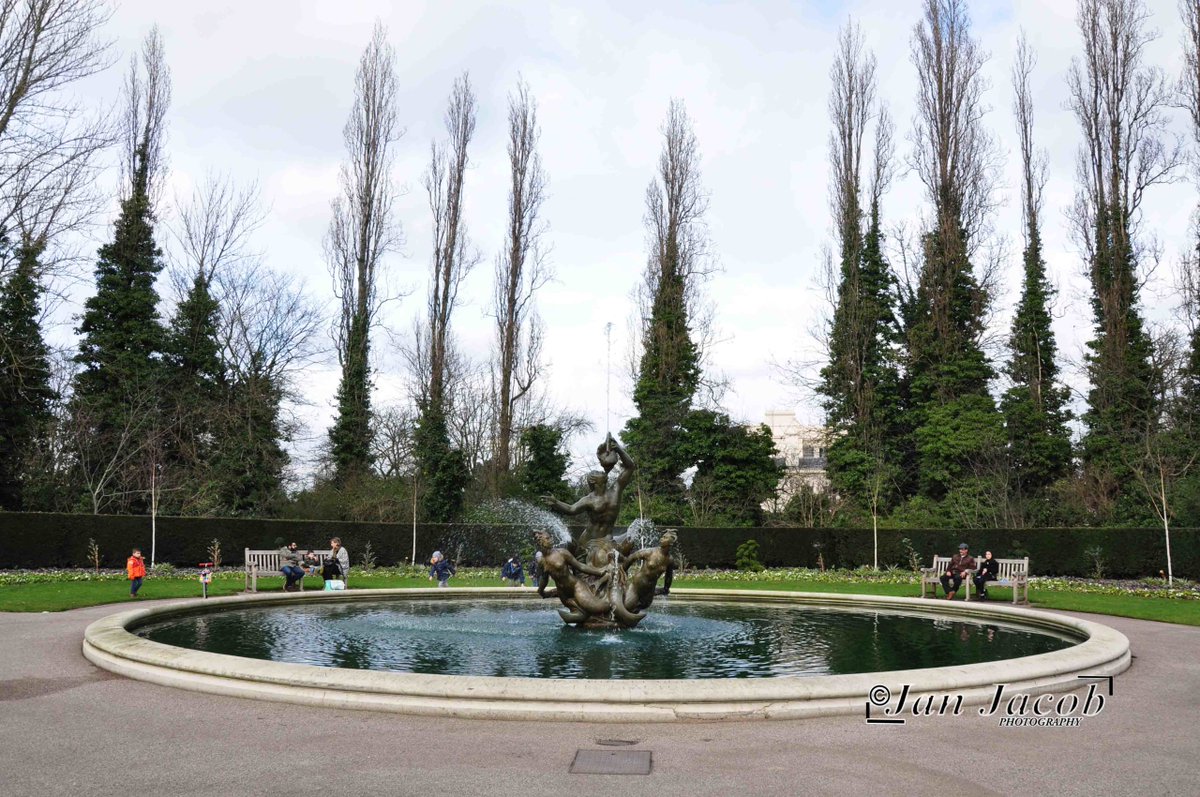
x=136, y=568
x=442, y=568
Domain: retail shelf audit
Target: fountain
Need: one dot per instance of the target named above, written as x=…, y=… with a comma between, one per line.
x=601, y=592
x=489, y=653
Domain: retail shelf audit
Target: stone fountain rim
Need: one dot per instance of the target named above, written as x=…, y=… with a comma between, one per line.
x=109, y=644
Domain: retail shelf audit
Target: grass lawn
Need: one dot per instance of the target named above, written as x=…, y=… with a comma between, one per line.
x=58, y=596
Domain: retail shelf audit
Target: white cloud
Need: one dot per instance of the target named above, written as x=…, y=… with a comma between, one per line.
x=262, y=90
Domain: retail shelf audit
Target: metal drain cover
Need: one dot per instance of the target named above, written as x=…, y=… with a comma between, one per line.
x=611, y=762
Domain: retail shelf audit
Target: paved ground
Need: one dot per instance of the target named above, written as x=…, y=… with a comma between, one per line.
x=69, y=728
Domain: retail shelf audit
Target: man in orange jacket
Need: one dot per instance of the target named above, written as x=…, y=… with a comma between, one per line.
x=136, y=568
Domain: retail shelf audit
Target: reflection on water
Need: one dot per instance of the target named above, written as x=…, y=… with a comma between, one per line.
x=678, y=640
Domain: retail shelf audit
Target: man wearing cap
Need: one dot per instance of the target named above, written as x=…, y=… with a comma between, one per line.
x=960, y=567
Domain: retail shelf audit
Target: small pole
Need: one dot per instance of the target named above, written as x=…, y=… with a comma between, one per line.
x=414, y=550
x=153, y=514
x=608, y=380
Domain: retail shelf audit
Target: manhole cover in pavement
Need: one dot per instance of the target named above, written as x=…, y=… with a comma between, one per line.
x=611, y=762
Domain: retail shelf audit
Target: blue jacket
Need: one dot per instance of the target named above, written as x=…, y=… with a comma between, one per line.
x=442, y=570
x=512, y=569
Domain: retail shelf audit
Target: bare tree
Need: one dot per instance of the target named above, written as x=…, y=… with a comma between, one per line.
x=143, y=126
x=1120, y=104
x=953, y=155
x=851, y=106
x=269, y=332
x=105, y=471
x=392, y=441
x=677, y=233
x=47, y=142
x=1034, y=162
x=269, y=325
x=1188, y=276
x=520, y=271
x=1189, y=79
x=361, y=233
x=1161, y=459
x=213, y=227
x=453, y=254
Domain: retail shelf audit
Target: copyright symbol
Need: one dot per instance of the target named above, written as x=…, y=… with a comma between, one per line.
x=879, y=695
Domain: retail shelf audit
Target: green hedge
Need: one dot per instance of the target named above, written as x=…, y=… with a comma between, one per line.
x=60, y=540
x=34, y=539
x=1126, y=552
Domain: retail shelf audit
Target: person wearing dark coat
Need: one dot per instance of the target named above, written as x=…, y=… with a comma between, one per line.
x=513, y=572
x=442, y=569
x=988, y=570
x=960, y=567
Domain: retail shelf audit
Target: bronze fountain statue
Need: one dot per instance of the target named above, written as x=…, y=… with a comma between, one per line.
x=600, y=591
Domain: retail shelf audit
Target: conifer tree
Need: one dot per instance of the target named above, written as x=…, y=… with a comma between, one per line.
x=860, y=382
x=122, y=343
x=248, y=466
x=25, y=392
x=121, y=346
x=1034, y=407
x=1120, y=104
x=954, y=415
x=196, y=394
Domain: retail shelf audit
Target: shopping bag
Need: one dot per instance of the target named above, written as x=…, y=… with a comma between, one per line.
x=334, y=584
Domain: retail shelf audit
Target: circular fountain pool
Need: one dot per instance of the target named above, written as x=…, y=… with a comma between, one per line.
x=503, y=653
x=680, y=640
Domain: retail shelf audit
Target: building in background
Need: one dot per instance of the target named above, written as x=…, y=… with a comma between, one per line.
x=801, y=451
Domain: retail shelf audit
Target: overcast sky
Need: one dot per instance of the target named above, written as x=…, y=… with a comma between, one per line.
x=262, y=89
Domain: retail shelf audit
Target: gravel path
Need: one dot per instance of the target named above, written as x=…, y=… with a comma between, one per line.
x=70, y=728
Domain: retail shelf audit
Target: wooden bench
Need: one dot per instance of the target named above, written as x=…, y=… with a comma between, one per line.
x=270, y=563
x=1010, y=573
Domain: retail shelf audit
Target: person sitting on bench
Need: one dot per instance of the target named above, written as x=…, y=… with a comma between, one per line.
x=959, y=568
x=289, y=565
x=988, y=570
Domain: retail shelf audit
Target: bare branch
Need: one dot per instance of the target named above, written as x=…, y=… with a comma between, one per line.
x=521, y=269
x=453, y=254
x=214, y=227
x=143, y=124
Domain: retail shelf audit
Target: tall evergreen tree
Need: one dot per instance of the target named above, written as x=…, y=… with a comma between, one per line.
x=121, y=346
x=1120, y=103
x=954, y=415
x=25, y=392
x=669, y=369
x=115, y=401
x=248, y=466
x=195, y=399
x=1035, y=406
x=860, y=382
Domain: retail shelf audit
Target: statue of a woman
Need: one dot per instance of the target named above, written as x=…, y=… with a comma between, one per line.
x=575, y=594
x=603, y=504
x=639, y=590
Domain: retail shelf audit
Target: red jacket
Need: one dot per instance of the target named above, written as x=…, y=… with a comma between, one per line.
x=136, y=567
